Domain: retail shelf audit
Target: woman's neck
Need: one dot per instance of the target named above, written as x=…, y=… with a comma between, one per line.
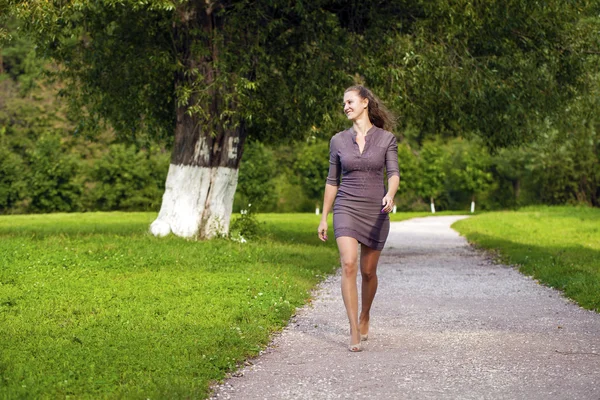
x=361, y=126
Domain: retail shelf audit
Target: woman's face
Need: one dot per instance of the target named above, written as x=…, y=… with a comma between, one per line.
x=354, y=105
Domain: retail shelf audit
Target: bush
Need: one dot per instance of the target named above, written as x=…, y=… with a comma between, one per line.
x=312, y=166
x=468, y=173
x=246, y=226
x=12, y=184
x=51, y=183
x=255, y=181
x=127, y=179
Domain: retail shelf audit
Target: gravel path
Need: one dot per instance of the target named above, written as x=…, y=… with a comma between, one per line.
x=447, y=323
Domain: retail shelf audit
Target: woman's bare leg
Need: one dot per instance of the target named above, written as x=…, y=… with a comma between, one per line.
x=368, y=269
x=348, y=248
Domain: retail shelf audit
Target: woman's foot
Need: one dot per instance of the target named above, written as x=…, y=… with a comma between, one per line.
x=355, y=338
x=355, y=348
x=363, y=326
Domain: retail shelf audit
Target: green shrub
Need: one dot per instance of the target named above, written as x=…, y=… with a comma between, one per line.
x=312, y=167
x=255, y=182
x=127, y=179
x=245, y=226
x=12, y=184
x=51, y=182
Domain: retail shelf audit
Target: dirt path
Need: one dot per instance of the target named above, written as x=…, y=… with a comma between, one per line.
x=446, y=324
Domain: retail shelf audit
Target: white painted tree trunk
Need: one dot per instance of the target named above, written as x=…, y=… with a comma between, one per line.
x=207, y=149
x=472, y=206
x=432, y=206
x=197, y=202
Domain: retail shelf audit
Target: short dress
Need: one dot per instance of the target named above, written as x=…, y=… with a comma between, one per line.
x=357, y=209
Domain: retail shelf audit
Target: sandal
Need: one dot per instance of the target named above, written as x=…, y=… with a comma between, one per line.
x=355, y=348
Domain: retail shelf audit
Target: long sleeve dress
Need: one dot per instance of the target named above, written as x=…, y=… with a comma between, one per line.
x=357, y=208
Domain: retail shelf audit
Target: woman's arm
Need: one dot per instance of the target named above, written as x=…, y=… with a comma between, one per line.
x=393, y=173
x=388, y=199
x=328, y=198
x=331, y=187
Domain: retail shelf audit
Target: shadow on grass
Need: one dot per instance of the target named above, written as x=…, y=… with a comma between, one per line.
x=575, y=270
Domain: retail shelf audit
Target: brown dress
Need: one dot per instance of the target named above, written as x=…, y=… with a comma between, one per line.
x=357, y=209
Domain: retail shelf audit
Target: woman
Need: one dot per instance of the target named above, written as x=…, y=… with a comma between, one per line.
x=362, y=204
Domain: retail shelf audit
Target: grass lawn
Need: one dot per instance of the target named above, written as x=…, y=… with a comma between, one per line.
x=559, y=246
x=92, y=306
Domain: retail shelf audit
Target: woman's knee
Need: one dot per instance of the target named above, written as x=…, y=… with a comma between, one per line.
x=368, y=273
x=349, y=266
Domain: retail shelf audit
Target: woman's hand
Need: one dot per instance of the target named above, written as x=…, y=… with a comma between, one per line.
x=323, y=230
x=387, y=203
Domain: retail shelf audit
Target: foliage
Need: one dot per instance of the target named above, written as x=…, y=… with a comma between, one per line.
x=312, y=167
x=408, y=163
x=452, y=68
x=47, y=165
x=246, y=226
x=20, y=61
x=407, y=198
x=290, y=195
x=277, y=73
x=496, y=69
x=491, y=68
x=255, y=181
x=50, y=182
x=469, y=168
x=511, y=177
x=432, y=162
x=560, y=246
x=12, y=183
x=125, y=179
x=567, y=171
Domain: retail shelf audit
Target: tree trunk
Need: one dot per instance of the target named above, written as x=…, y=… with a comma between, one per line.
x=203, y=174
x=201, y=182
x=432, y=204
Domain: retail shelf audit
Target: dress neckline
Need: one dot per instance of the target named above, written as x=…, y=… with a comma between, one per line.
x=367, y=140
x=369, y=131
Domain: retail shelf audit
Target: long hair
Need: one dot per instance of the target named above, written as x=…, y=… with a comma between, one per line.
x=379, y=115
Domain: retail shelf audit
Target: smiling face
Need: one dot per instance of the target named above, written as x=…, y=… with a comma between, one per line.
x=354, y=105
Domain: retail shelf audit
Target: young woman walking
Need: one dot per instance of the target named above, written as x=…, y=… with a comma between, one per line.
x=359, y=156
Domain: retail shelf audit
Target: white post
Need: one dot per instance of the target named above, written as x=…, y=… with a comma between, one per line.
x=472, y=206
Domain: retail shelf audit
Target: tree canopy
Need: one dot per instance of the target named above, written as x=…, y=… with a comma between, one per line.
x=496, y=69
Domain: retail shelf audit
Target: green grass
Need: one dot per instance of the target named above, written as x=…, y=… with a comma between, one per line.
x=559, y=246
x=92, y=306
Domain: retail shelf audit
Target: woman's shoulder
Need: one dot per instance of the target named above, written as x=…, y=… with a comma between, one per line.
x=386, y=136
x=340, y=136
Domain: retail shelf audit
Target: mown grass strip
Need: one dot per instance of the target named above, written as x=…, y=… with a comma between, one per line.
x=92, y=306
x=559, y=246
